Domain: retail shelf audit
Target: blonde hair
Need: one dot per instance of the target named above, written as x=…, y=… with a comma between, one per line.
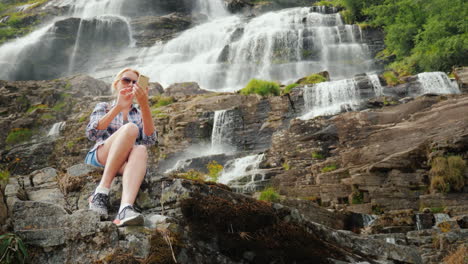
x=119, y=76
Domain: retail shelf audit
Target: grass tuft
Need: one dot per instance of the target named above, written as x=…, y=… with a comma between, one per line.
x=261, y=87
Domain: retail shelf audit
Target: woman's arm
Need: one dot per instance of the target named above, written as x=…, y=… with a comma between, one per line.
x=142, y=99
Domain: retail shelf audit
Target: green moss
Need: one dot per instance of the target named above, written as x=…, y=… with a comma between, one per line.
x=159, y=101
x=270, y=195
x=313, y=79
x=83, y=118
x=357, y=197
x=4, y=175
x=286, y=166
x=261, y=87
x=214, y=170
x=18, y=135
x=329, y=168
x=47, y=116
x=317, y=155
x=192, y=175
x=59, y=106
x=34, y=107
x=289, y=87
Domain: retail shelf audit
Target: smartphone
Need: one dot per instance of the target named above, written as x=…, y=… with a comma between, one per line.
x=143, y=81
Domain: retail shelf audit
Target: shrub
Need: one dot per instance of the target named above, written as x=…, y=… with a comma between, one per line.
x=18, y=135
x=214, y=170
x=270, y=195
x=329, y=168
x=447, y=174
x=438, y=184
x=289, y=87
x=261, y=87
x=390, y=78
x=455, y=172
x=459, y=256
x=313, y=79
x=12, y=249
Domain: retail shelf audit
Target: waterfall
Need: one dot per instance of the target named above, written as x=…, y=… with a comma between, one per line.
x=221, y=136
x=438, y=83
x=367, y=220
x=418, y=222
x=211, y=8
x=10, y=51
x=225, y=53
x=440, y=217
x=378, y=89
x=329, y=98
x=243, y=173
x=390, y=240
x=55, y=129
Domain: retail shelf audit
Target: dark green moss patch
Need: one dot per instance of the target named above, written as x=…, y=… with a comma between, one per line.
x=252, y=226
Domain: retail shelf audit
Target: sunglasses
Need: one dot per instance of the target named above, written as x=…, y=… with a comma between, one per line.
x=127, y=81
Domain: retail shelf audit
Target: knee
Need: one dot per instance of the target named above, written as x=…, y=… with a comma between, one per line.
x=140, y=152
x=131, y=130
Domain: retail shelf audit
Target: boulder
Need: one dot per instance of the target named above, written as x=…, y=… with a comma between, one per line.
x=184, y=89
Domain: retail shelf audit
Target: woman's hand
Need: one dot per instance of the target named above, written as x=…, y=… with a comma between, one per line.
x=125, y=97
x=140, y=94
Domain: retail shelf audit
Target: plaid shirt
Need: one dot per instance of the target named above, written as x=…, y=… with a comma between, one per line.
x=134, y=116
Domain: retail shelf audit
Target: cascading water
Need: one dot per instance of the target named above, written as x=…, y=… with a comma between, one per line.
x=224, y=54
x=211, y=8
x=328, y=98
x=50, y=45
x=243, y=174
x=221, y=136
x=438, y=83
x=378, y=89
x=55, y=129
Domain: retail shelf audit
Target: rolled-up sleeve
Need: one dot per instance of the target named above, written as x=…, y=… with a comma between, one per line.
x=91, y=130
x=149, y=140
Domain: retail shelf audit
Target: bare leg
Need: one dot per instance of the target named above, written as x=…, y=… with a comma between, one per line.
x=115, y=152
x=133, y=173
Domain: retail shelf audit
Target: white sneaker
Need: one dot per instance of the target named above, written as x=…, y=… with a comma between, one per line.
x=129, y=217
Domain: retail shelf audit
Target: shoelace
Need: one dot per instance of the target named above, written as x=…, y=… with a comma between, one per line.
x=122, y=213
x=100, y=199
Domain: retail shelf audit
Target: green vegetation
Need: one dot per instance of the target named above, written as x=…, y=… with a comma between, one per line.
x=391, y=78
x=357, y=197
x=214, y=170
x=270, y=195
x=377, y=209
x=4, y=175
x=18, y=135
x=323, y=3
x=12, y=249
x=447, y=174
x=192, y=175
x=329, y=168
x=39, y=106
x=436, y=210
x=159, y=101
x=286, y=166
x=313, y=79
x=429, y=37
x=261, y=87
x=18, y=23
x=317, y=155
x=289, y=87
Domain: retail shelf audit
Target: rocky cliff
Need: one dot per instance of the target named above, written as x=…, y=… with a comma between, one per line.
x=332, y=173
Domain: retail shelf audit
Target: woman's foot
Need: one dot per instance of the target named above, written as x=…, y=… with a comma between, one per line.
x=129, y=217
x=98, y=203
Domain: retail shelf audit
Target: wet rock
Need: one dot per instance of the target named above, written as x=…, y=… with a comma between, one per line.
x=149, y=29
x=461, y=75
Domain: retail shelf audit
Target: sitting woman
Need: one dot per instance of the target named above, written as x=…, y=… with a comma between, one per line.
x=121, y=131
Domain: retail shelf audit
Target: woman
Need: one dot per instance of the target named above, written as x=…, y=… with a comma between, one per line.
x=121, y=132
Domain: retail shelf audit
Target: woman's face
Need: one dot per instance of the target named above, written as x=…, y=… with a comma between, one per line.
x=127, y=80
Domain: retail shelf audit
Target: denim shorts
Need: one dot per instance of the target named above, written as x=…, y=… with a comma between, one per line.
x=91, y=159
